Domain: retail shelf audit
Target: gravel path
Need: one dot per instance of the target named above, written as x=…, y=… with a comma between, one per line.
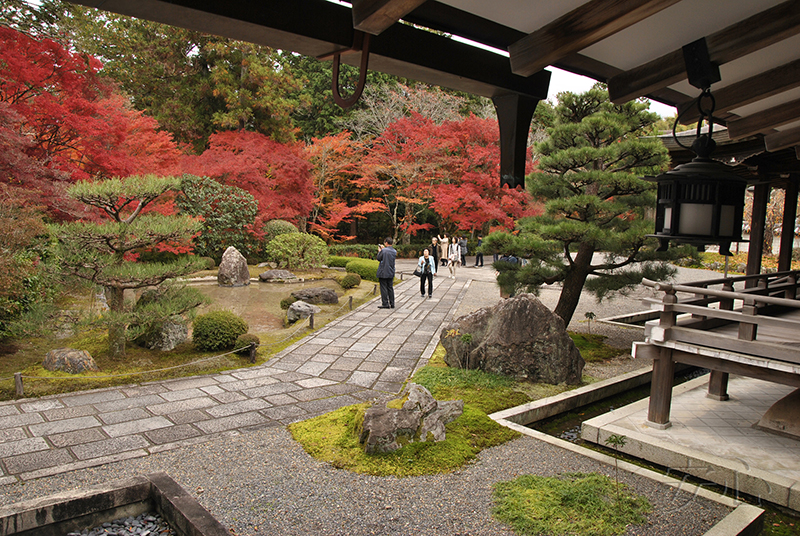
x=262, y=482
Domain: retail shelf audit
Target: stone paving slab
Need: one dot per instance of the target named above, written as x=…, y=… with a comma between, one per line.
x=364, y=355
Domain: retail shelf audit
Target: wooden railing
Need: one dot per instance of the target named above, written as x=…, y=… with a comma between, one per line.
x=760, y=307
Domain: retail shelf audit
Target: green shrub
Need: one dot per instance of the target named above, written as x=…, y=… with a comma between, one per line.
x=243, y=343
x=338, y=262
x=287, y=301
x=349, y=281
x=297, y=251
x=362, y=251
x=210, y=263
x=274, y=228
x=367, y=269
x=218, y=330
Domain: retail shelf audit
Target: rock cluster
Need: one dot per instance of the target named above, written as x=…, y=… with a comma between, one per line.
x=300, y=309
x=316, y=295
x=69, y=360
x=276, y=275
x=422, y=418
x=233, y=270
x=519, y=337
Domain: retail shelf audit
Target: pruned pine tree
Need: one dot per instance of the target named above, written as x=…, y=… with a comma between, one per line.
x=102, y=252
x=589, y=176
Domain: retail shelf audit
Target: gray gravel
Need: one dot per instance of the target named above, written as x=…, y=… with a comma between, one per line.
x=262, y=482
x=147, y=524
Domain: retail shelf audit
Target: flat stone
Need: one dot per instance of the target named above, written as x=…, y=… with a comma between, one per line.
x=125, y=415
x=67, y=425
x=68, y=439
x=37, y=460
x=172, y=434
x=23, y=446
x=225, y=410
x=109, y=446
x=136, y=427
x=231, y=423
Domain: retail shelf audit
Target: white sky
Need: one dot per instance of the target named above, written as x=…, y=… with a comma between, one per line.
x=566, y=81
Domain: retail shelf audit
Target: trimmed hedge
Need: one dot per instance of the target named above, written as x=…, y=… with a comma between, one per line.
x=367, y=269
x=362, y=251
x=297, y=251
x=218, y=330
x=338, y=262
x=243, y=343
x=349, y=281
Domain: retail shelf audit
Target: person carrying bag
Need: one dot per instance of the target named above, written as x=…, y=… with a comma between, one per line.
x=426, y=269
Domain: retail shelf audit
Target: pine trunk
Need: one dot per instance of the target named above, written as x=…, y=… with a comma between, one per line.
x=573, y=283
x=116, y=332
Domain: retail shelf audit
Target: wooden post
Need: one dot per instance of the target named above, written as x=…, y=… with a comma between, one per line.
x=757, y=223
x=253, y=352
x=787, y=230
x=350, y=303
x=718, y=385
x=748, y=332
x=311, y=321
x=661, y=390
x=374, y=290
x=18, y=384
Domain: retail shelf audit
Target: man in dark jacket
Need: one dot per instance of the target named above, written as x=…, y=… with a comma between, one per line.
x=386, y=257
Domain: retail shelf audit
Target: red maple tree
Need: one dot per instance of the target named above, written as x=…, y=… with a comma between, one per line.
x=276, y=174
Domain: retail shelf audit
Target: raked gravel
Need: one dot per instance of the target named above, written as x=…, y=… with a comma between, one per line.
x=262, y=482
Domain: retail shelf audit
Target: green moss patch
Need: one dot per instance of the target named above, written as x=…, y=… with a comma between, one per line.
x=333, y=438
x=593, y=349
x=572, y=504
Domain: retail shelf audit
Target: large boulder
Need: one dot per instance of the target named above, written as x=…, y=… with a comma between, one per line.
x=166, y=337
x=69, y=360
x=316, y=295
x=422, y=418
x=300, y=309
x=233, y=270
x=276, y=275
x=518, y=337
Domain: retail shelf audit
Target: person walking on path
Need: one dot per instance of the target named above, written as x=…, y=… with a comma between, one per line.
x=478, y=254
x=433, y=251
x=453, y=257
x=386, y=257
x=427, y=266
x=444, y=244
x=462, y=246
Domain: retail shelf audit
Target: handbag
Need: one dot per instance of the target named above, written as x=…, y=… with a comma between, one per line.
x=417, y=272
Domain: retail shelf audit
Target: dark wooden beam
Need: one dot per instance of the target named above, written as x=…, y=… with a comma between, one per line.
x=747, y=91
x=763, y=122
x=735, y=41
x=758, y=220
x=733, y=367
x=789, y=221
x=401, y=50
x=578, y=29
x=782, y=140
x=374, y=16
x=514, y=114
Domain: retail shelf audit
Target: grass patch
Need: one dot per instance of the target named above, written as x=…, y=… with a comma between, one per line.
x=333, y=438
x=570, y=504
x=592, y=347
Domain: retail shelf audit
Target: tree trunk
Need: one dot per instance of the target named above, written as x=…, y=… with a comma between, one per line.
x=116, y=332
x=573, y=283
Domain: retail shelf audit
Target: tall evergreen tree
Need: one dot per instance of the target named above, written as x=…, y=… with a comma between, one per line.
x=589, y=177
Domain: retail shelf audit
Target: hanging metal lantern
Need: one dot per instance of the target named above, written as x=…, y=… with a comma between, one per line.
x=700, y=203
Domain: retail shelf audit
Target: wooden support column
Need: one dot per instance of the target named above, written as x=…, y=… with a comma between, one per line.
x=718, y=380
x=787, y=230
x=514, y=115
x=757, y=223
x=661, y=390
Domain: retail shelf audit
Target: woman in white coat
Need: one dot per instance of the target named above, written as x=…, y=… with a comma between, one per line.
x=453, y=256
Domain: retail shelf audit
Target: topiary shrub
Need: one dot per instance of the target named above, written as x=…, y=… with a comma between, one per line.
x=218, y=330
x=286, y=302
x=243, y=343
x=349, y=281
x=297, y=251
x=274, y=228
x=338, y=262
x=210, y=263
x=366, y=268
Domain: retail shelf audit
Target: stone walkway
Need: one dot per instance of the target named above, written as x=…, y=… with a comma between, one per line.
x=363, y=355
